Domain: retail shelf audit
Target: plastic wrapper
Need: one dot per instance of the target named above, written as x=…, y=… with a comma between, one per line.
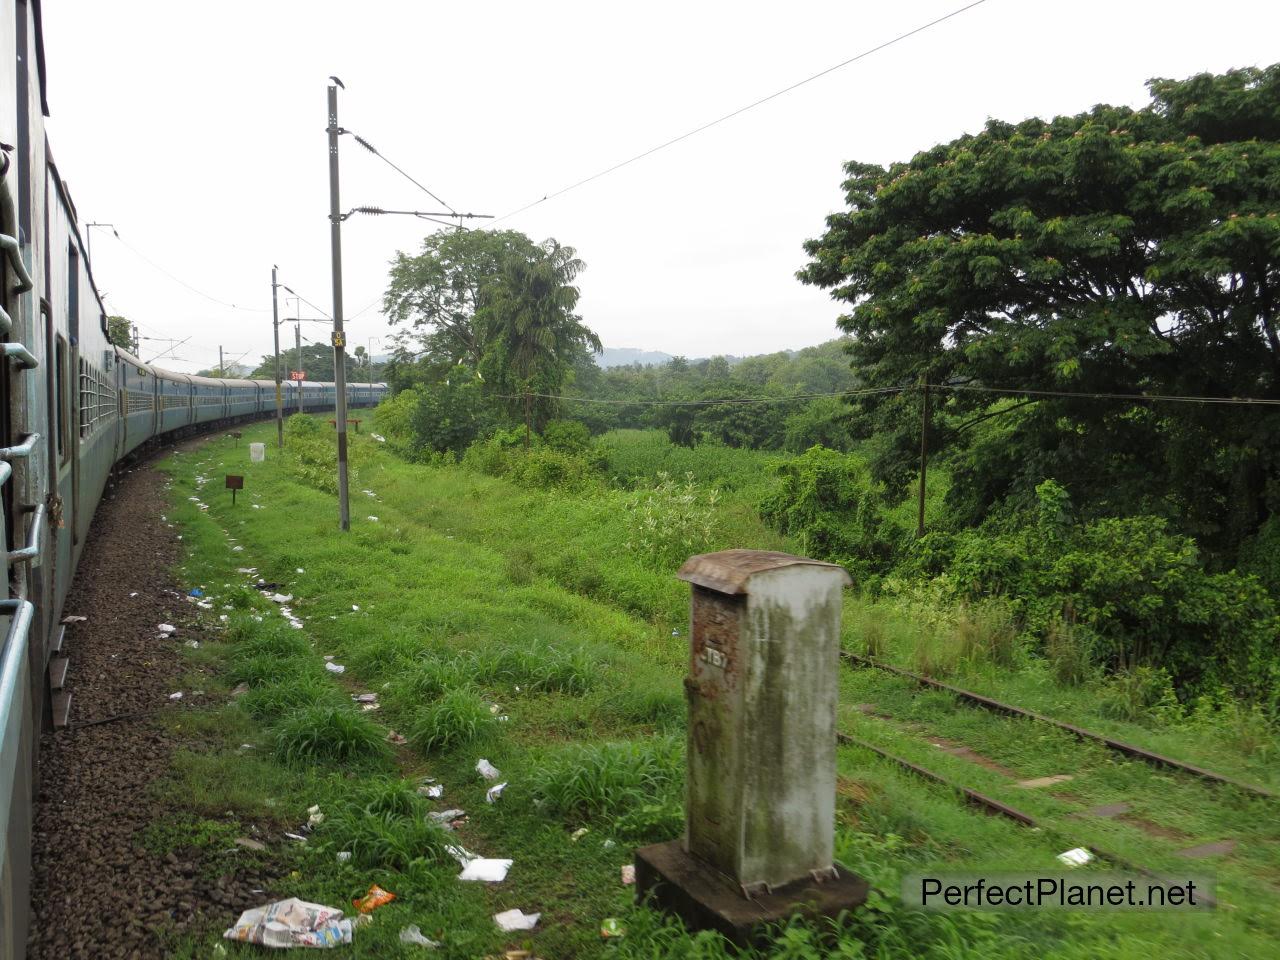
x=291, y=923
x=375, y=898
x=487, y=769
x=509, y=920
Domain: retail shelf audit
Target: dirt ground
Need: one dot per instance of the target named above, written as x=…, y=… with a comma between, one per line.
x=96, y=892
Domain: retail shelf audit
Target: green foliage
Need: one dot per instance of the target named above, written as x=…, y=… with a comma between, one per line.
x=1138, y=588
x=541, y=467
x=567, y=436
x=120, y=333
x=828, y=501
x=383, y=824
x=461, y=716
x=393, y=418
x=605, y=780
x=312, y=454
x=299, y=688
x=329, y=733
x=672, y=520
x=819, y=423
x=450, y=416
x=1053, y=254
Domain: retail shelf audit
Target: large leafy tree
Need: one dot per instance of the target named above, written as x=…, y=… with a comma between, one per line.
x=1117, y=251
x=438, y=297
x=120, y=333
x=535, y=336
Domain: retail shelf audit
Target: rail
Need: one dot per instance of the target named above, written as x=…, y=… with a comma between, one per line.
x=1128, y=749
x=22, y=449
x=32, y=550
x=17, y=351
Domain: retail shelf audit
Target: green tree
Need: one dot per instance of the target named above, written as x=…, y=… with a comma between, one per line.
x=1120, y=251
x=439, y=296
x=535, y=335
x=120, y=333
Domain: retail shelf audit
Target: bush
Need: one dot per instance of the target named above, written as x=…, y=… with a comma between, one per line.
x=1138, y=589
x=672, y=520
x=606, y=779
x=393, y=419
x=567, y=436
x=450, y=416
x=828, y=501
x=312, y=454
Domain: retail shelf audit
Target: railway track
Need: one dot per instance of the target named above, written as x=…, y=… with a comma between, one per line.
x=1111, y=743
x=995, y=807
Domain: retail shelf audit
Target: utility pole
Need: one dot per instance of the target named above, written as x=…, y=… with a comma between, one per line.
x=924, y=458
x=222, y=370
x=136, y=345
x=297, y=338
x=339, y=337
x=275, y=329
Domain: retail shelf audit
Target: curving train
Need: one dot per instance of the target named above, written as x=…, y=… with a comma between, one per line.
x=72, y=406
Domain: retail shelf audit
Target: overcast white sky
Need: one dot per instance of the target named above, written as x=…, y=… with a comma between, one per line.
x=198, y=130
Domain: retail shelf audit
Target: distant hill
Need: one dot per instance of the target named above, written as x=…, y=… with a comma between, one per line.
x=625, y=356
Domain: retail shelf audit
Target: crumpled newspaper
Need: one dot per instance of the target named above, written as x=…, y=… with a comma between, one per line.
x=291, y=923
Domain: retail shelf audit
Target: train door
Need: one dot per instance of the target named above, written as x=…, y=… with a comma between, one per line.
x=72, y=384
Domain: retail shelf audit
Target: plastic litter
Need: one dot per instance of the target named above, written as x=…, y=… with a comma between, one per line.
x=486, y=870
x=335, y=667
x=611, y=927
x=379, y=437
x=397, y=739
x=487, y=769
x=1076, y=857
x=445, y=817
x=291, y=923
x=282, y=597
x=628, y=874
x=355, y=606
x=193, y=644
x=240, y=689
x=249, y=844
x=608, y=845
x=314, y=816
x=493, y=793
x=412, y=935
x=579, y=834
x=344, y=856
x=176, y=696
x=435, y=791
x=300, y=570
x=516, y=920
x=167, y=628
x=365, y=697
x=196, y=592
x=373, y=518
x=375, y=898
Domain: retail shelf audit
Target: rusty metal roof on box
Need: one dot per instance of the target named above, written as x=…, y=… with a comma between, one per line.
x=729, y=570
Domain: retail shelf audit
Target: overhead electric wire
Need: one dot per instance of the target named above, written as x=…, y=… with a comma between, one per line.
x=701, y=403
x=374, y=150
x=1087, y=395
x=176, y=279
x=741, y=110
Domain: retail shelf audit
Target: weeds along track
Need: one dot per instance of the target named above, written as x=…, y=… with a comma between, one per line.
x=995, y=807
x=1119, y=746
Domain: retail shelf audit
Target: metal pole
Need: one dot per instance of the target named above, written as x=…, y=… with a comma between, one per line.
x=297, y=336
x=275, y=329
x=222, y=370
x=339, y=337
x=924, y=458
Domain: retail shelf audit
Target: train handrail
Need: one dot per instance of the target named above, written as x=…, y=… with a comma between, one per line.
x=19, y=352
x=13, y=249
x=22, y=449
x=32, y=549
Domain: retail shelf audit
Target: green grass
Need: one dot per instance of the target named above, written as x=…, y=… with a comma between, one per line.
x=476, y=594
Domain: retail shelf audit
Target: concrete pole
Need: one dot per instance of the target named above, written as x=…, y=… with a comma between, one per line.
x=297, y=339
x=275, y=329
x=339, y=337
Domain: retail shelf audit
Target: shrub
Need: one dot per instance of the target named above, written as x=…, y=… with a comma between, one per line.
x=393, y=419
x=312, y=454
x=606, y=779
x=459, y=717
x=828, y=501
x=672, y=520
x=567, y=436
x=450, y=416
x=320, y=733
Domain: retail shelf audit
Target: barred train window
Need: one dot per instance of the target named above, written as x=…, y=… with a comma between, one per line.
x=97, y=398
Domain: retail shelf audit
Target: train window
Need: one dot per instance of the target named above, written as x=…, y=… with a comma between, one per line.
x=64, y=448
